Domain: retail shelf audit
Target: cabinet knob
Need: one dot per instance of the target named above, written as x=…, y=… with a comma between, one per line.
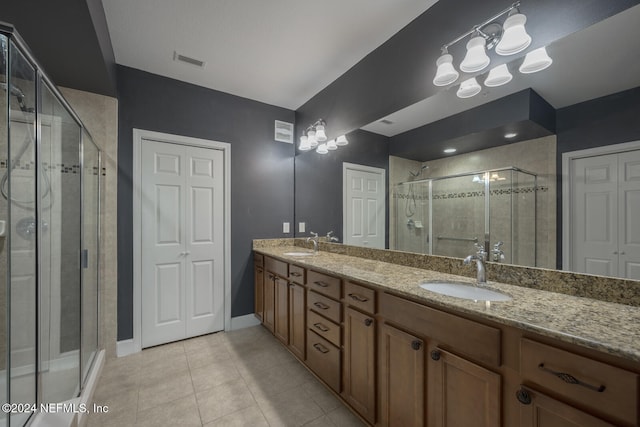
x=523, y=396
x=416, y=344
x=435, y=355
x=368, y=322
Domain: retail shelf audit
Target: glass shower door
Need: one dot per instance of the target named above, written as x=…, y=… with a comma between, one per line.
x=90, y=227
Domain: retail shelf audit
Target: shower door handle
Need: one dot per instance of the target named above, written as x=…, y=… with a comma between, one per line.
x=85, y=258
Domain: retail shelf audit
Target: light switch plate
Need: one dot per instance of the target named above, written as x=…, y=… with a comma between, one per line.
x=302, y=227
x=285, y=227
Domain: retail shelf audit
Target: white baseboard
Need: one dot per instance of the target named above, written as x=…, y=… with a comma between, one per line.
x=127, y=347
x=246, y=321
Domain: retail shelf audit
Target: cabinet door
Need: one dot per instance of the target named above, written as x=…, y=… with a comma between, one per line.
x=462, y=393
x=359, y=363
x=281, y=327
x=402, y=378
x=258, y=280
x=297, y=324
x=538, y=410
x=268, y=318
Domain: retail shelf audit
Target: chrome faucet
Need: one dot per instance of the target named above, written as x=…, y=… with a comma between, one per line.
x=497, y=254
x=331, y=237
x=480, y=257
x=313, y=239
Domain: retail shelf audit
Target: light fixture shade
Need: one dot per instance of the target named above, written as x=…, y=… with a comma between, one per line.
x=304, y=143
x=536, y=60
x=515, y=38
x=320, y=135
x=322, y=149
x=446, y=73
x=331, y=145
x=498, y=76
x=311, y=135
x=341, y=141
x=476, y=58
x=469, y=88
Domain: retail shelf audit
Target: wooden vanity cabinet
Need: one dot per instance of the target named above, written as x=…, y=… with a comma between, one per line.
x=276, y=272
x=401, y=378
x=258, y=288
x=359, y=361
x=297, y=309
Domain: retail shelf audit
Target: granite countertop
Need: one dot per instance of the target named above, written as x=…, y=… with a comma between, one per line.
x=603, y=326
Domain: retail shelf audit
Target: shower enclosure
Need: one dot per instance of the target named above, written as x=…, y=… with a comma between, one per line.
x=449, y=215
x=49, y=236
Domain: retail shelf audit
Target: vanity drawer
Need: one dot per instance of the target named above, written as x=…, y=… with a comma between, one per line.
x=258, y=259
x=324, y=327
x=324, y=359
x=360, y=297
x=296, y=274
x=327, y=285
x=278, y=267
x=580, y=380
x=462, y=336
x=323, y=305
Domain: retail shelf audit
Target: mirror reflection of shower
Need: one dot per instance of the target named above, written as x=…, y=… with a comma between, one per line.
x=410, y=206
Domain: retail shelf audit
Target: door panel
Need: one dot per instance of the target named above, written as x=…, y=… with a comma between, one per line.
x=365, y=196
x=629, y=215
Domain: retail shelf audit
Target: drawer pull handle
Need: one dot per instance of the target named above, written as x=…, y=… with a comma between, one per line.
x=295, y=274
x=416, y=345
x=358, y=298
x=523, y=396
x=320, y=305
x=570, y=379
x=321, y=284
x=321, y=327
x=368, y=322
x=435, y=355
x=322, y=349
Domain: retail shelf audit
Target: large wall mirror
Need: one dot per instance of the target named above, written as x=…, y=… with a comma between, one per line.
x=546, y=169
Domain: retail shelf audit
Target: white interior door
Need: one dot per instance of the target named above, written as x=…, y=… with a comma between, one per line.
x=182, y=241
x=363, y=205
x=594, y=240
x=605, y=231
x=629, y=214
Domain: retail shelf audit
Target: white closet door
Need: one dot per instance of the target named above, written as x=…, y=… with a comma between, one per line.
x=182, y=242
x=204, y=241
x=364, y=204
x=629, y=214
x=595, y=205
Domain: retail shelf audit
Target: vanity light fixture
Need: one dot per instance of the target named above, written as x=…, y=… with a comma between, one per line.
x=498, y=76
x=536, y=60
x=469, y=88
x=449, y=150
x=515, y=38
x=314, y=136
x=476, y=58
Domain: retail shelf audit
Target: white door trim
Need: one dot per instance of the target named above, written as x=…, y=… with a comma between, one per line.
x=353, y=166
x=567, y=158
x=138, y=136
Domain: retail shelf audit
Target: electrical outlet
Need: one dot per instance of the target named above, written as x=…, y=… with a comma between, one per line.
x=285, y=227
x=302, y=227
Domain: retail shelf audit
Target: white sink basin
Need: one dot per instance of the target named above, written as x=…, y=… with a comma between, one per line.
x=298, y=253
x=464, y=291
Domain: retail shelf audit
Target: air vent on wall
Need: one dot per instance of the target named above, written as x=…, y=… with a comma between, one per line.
x=284, y=132
x=188, y=60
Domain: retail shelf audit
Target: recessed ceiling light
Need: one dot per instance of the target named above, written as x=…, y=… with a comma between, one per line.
x=510, y=135
x=450, y=150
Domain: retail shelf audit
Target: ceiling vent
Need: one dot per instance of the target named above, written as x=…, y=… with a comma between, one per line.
x=188, y=60
x=283, y=132
x=386, y=122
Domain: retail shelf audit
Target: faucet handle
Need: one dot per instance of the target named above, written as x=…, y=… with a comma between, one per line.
x=329, y=233
x=313, y=234
x=497, y=246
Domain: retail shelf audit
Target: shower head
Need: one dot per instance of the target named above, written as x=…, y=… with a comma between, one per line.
x=19, y=94
x=419, y=172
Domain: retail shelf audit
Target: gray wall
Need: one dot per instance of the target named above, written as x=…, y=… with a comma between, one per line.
x=612, y=119
x=261, y=169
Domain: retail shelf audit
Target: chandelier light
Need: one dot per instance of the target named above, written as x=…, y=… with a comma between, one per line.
x=314, y=136
x=508, y=38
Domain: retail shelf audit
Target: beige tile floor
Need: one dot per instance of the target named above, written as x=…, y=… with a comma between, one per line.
x=239, y=378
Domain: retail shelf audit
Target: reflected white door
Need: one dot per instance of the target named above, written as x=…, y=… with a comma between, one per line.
x=182, y=242
x=605, y=230
x=364, y=205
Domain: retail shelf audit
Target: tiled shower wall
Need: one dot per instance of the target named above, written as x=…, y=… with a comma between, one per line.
x=458, y=215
